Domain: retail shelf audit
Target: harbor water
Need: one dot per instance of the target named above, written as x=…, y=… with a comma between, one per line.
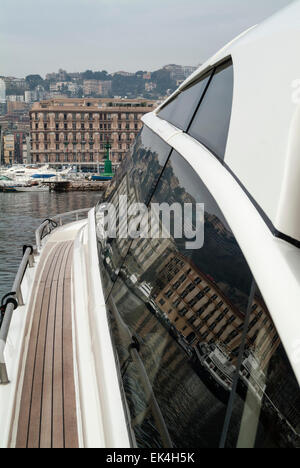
x=21, y=214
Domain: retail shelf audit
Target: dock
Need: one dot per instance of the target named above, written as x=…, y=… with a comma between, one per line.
x=77, y=186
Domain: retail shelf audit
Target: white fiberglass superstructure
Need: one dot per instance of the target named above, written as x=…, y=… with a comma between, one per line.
x=142, y=341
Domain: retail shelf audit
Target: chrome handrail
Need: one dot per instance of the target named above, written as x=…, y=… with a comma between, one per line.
x=15, y=299
x=56, y=219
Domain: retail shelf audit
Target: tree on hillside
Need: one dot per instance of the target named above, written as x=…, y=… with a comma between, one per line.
x=127, y=86
x=33, y=81
x=163, y=80
x=98, y=75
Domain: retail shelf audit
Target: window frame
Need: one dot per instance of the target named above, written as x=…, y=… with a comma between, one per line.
x=212, y=71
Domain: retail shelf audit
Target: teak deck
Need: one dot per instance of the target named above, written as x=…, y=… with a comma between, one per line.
x=47, y=417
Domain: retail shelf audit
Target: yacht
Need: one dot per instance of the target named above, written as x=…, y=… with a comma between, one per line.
x=4, y=180
x=24, y=174
x=7, y=184
x=173, y=341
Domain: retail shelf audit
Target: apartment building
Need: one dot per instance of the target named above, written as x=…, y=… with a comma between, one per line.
x=77, y=130
x=9, y=149
x=202, y=313
x=97, y=87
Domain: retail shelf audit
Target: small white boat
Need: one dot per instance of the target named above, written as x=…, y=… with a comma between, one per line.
x=7, y=184
x=24, y=174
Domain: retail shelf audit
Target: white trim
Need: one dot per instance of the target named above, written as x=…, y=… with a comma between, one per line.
x=114, y=419
x=92, y=426
x=76, y=376
x=99, y=397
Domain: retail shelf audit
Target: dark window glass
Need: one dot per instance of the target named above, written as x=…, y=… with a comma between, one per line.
x=136, y=179
x=180, y=110
x=201, y=362
x=186, y=358
x=211, y=123
x=266, y=410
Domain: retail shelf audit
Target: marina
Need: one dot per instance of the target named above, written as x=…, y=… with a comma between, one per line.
x=28, y=179
x=35, y=178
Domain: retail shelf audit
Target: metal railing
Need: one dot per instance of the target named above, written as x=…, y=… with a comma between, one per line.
x=49, y=225
x=14, y=299
x=10, y=302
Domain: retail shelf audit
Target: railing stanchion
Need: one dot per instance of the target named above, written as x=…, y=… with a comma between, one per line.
x=12, y=301
x=19, y=296
x=31, y=261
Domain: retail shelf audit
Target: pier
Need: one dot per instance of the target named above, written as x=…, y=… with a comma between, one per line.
x=77, y=185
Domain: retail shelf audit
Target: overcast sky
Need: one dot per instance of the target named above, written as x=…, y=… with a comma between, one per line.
x=40, y=36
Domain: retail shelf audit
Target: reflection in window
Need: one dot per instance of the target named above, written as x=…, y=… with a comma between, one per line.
x=267, y=405
x=191, y=337
x=211, y=123
x=136, y=179
x=180, y=110
x=178, y=304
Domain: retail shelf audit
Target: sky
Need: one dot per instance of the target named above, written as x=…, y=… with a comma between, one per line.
x=41, y=36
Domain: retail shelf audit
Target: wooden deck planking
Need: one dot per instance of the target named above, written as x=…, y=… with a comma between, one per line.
x=38, y=377
x=70, y=421
x=48, y=405
x=48, y=390
x=24, y=417
x=58, y=401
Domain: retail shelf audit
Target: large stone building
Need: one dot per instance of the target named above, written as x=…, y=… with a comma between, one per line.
x=77, y=130
x=92, y=87
x=202, y=313
x=16, y=148
x=9, y=149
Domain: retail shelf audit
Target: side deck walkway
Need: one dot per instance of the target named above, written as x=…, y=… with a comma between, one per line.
x=47, y=416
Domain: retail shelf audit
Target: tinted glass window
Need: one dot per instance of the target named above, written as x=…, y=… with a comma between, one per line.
x=211, y=123
x=201, y=362
x=266, y=411
x=180, y=111
x=135, y=181
x=186, y=310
